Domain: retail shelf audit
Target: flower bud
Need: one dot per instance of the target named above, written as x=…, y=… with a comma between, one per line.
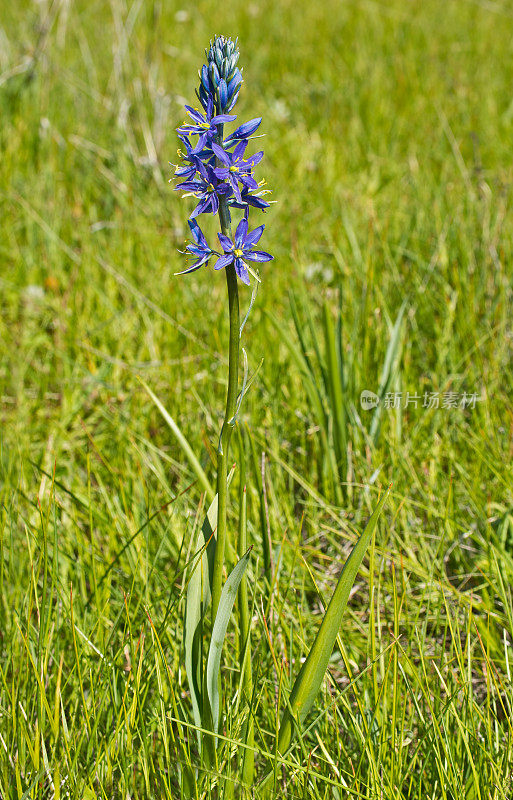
x=220, y=79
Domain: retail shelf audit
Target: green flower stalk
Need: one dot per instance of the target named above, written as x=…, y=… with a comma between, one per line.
x=229, y=416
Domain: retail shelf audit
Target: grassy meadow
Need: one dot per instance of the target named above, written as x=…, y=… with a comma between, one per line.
x=388, y=149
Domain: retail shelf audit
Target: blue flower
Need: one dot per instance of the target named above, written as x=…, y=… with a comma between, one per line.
x=235, y=169
x=191, y=159
x=200, y=250
x=206, y=188
x=205, y=125
x=241, y=250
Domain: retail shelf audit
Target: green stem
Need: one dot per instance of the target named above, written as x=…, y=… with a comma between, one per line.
x=231, y=402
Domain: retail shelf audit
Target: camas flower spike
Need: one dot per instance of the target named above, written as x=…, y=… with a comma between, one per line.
x=217, y=172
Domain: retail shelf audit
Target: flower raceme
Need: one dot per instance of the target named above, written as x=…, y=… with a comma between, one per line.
x=215, y=169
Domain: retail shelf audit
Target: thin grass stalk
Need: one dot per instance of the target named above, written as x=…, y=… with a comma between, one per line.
x=335, y=393
x=231, y=401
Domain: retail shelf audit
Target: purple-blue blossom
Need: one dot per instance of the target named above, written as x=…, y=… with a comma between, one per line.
x=191, y=160
x=200, y=249
x=234, y=169
x=207, y=188
x=205, y=125
x=240, y=250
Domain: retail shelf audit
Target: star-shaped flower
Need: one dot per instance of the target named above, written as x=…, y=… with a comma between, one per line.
x=200, y=249
x=191, y=158
x=205, y=125
x=241, y=250
x=235, y=170
x=206, y=188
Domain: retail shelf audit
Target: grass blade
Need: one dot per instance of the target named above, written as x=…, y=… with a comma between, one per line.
x=336, y=393
x=197, y=602
x=309, y=680
x=392, y=357
x=184, y=444
x=223, y=615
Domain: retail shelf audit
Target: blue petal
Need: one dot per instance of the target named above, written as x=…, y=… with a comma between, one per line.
x=240, y=150
x=200, y=208
x=203, y=172
x=257, y=255
x=185, y=172
x=204, y=78
x=189, y=186
x=246, y=129
x=221, y=154
x=194, y=267
x=235, y=186
x=256, y=159
x=254, y=236
x=221, y=172
x=195, y=115
x=223, y=261
x=242, y=272
x=222, y=118
x=224, y=189
x=198, y=234
x=234, y=82
x=249, y=182
x=213, y=74
x=240, y=233
x=226, y=243
x=231, y=105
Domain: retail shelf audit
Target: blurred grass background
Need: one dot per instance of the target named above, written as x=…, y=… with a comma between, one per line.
x=388, y=149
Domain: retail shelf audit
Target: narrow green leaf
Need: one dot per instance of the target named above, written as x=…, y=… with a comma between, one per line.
x=224, y=611
x=266, y=545
x=184, y=444
x=391, y=358
x=309, y=679
x=199, y=579
x=335, y=390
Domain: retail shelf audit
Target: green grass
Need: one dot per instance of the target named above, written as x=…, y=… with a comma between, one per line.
x=389, y=152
